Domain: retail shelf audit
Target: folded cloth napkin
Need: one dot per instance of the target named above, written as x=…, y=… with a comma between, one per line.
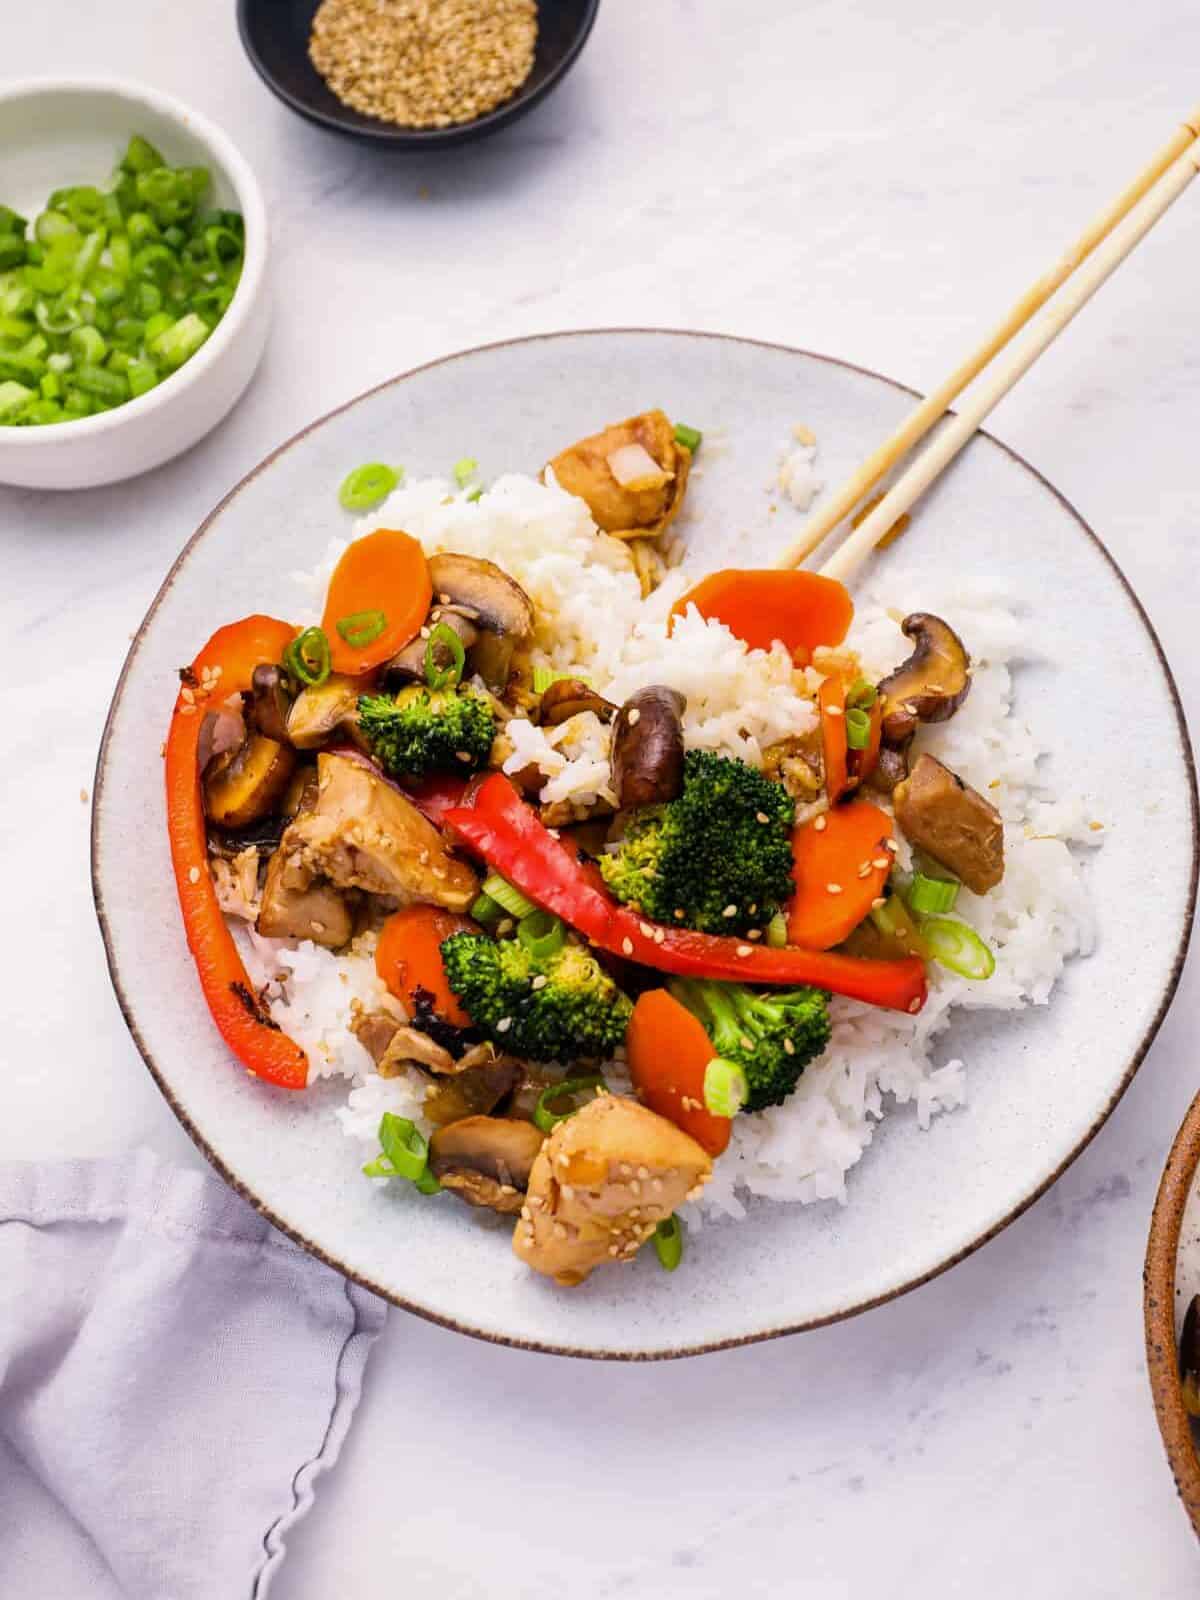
x=174, y=1375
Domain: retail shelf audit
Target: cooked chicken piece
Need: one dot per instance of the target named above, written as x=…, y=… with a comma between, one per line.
x=374, y=1030
x=602, y=1182
x=236, y=883
x=952, y=822
x=303, y=907
x=633, y=475
x=364, y=834
x=796, y=763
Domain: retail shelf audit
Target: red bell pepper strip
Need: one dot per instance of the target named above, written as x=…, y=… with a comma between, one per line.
x=502, y=829
x=222, y=668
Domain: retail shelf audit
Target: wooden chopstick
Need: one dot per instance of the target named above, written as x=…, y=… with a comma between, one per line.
x=919, y=422
x=1001, y=378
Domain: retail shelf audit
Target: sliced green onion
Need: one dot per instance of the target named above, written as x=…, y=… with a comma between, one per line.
x=307, y=657
x=87, y=344
x=863, y=693
x=858, y=729
x=475, y=494
x=361, y=628
x=110, y=387
x=486, y=910
x=542, y=934
x=464, y=470
x=366, y=486
x=427, y=1183
x=777, y=931
x=929, y=896
x=503, y=893
x=179, y=343
x=141, y=377
x=725, y=1088
x=443, y=637
x=958, y=947
x=405, y=1154
x=141, y=156
x=544, y=1115
x=11, y=221
x=668, y=1242
x=688, y=437
x=543, y=677
x=13, y=396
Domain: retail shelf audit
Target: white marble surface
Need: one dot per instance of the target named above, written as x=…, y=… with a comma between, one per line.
x=866, y=179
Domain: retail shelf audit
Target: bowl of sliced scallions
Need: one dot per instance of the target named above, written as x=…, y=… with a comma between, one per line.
x=133, y=309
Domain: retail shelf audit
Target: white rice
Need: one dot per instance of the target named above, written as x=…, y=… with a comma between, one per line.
x=591, y=619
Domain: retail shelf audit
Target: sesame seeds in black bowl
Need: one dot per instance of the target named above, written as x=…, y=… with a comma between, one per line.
x=453, y=70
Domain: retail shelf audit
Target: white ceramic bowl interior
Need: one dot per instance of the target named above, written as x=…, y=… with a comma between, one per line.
x=1040, y=1083
x=74, y=131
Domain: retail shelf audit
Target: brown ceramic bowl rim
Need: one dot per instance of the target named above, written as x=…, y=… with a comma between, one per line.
x=845, y=1312
x=1162, y=1256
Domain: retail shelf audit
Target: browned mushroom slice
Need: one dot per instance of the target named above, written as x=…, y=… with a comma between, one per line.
x=931, y=685
x=294, y=906
x=486, y=1160
x=890, y=769
x=408, y=666
x=473, y=1092
x=601, y=1183
x=953, y=823
x=270, y=702
x=568, y=697
x=242, y=786
x=633, y=475
x=319, y=711
x=494, y=602
x=647, y=747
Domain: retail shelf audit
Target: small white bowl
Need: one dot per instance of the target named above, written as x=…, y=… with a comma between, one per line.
x=55, y=132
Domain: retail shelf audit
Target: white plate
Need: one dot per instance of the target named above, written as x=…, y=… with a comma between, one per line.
x=1040, y=1083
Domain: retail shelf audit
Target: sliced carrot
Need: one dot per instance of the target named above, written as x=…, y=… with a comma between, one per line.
x=408, y=957
x=803, y=609
x=668, y=1052
x=831, y=702
x=862, y=763
x=840, y=863
x=382, y=575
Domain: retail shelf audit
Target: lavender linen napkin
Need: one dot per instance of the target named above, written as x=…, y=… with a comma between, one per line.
x=174, y=1376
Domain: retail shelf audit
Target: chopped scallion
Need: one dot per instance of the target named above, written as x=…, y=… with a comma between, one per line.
x=486, y=910
x=405, y=1154
x=725, y=1088
x=569, y=1090
x=858, y=729
x=957, y=947
x=542, y=935
x=464, y=470
x=777, y=931
x=668, y=1242
x=503, y=893
x=689, y=438
x=930, y=896
x=367, y=485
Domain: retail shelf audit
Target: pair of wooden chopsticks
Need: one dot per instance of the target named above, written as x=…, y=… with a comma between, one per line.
x=1103, y=246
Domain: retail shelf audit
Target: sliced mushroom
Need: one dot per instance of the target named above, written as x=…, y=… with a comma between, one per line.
x=647, y=747
x=409, y=665
x=474, y=1092
x=486, y=1160
x=953, y=823
x=931, y=685
x=302, y=910
x=301, y=793
x=497, y=605
x=890, y=769
x=270, y=702
x=632, y=475
x=221, y=730
x=242, y=786
x=567, y=697
x=320, y=710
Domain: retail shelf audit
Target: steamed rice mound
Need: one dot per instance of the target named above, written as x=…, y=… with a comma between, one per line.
x=591, y=620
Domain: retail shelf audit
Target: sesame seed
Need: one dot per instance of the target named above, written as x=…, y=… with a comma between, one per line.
x=680, y=913
x=865, y=870
x=625, y=1170
x=914, y=1005
x=614, y=1250
x=504, y=1025
x=832, y=711
x=761, y=816
x=462, y=755
x=194, y=875
x=643, y=1173
x=444, y=599
x=526, y=1214
x=564, y=1160
x=659, y=935
x=729, y=911
x=647, y=930
x=789, y=1047
x=744, y=950
x=627, y=946
x=634, y=717
x=880, y=900
x=540, y=981
x=656, y=1184
x=820, y=823
x=566, y=1191
x=881, y=862
x=890, y=844
x=635, y=1188
x=833, y=888
x=754, y=933
x=559, y=1231
x=746, y=1043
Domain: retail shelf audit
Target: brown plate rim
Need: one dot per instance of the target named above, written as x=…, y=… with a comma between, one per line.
x=707, y=1348
x=1158, y=1280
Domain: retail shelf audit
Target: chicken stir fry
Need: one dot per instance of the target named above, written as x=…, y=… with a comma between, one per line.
x=695, y=919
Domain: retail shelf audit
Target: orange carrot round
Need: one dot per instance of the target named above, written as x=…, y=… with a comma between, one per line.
x=840, y=863
x=668, y=1052
x=380, y=593
x=803, y=609
x=408, y=957
x=831, y=702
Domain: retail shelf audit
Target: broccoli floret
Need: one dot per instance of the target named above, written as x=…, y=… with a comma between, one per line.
x=772, y=1035
x=724, y=843
x=424, y=730
x=577, y=1011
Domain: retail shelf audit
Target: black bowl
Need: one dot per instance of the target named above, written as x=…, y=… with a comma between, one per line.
x=275, y=36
